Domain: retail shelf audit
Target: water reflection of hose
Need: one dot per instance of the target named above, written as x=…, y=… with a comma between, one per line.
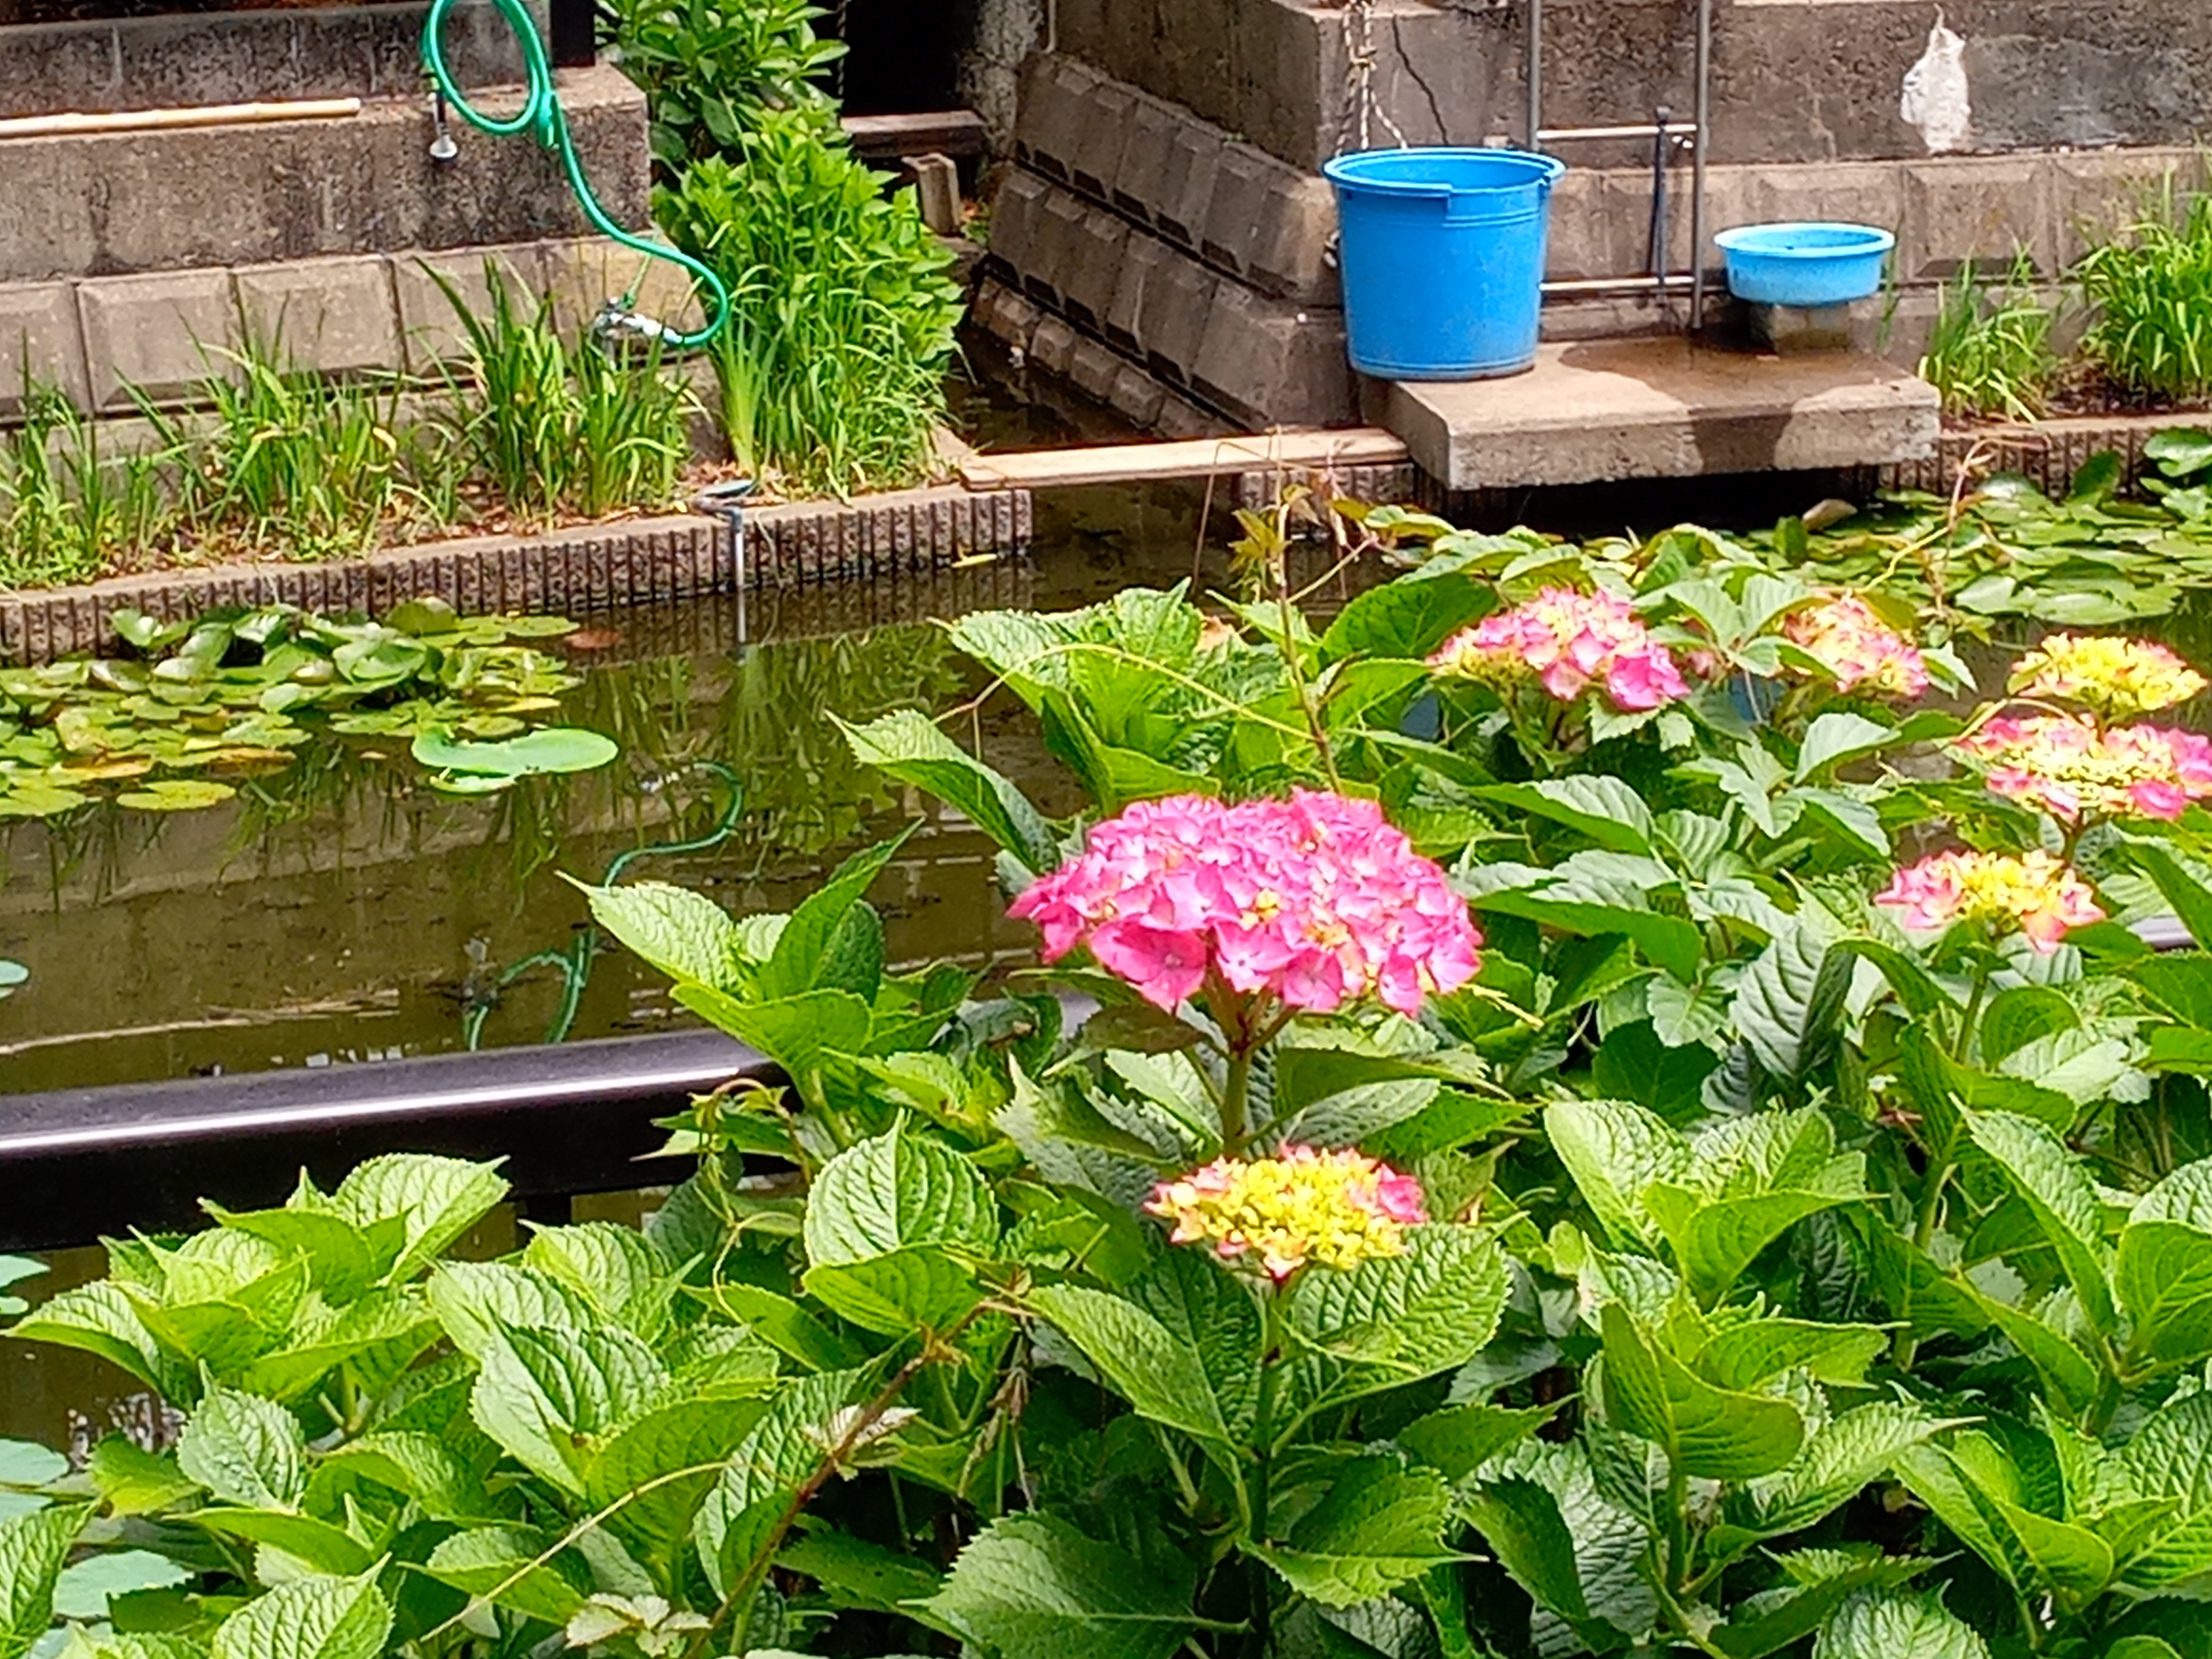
x=575, y=961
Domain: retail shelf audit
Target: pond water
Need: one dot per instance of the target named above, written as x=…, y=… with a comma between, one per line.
x=335, y=912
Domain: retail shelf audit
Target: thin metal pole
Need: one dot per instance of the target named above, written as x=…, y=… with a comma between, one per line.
x=1533, y=55
x=1704, y=118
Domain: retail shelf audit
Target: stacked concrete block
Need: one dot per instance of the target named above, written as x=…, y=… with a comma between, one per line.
x=335, y=314
x=1200, y=265
x=40, y=342
x=1982, y=209
x=106, y=342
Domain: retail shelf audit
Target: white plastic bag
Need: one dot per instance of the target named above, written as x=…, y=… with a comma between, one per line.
x=1935, y=97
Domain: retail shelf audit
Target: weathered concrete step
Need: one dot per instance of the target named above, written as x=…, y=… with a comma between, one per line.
x=240, y=57
x=1599, y=409
x=118, y=204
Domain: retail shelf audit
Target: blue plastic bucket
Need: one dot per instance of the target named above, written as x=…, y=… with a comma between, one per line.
x=1442, y=254
x=1804, y=265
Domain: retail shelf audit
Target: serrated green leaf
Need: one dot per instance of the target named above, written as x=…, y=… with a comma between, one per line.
x=246, y=1449
x=503, y=1565
x=32, y=1547
x=737, y=1522
x=1604, y=809
x=1893, y=1624
x=1615, y=1151
x=2057, y=1189
x=1158, y=1374
x=1397, y=1319
x=795, y=965
x=852, y=1572
x=1716, y=1433
x=916, y=1288
x=897, y=1189
x=1521, y=1524
x=1790, y=1003
x=543, y=1393
x=321, y=1545
x=1377, y=1528
x=1840, y=1458
x=1460, y=1439
x=1032, y=1587
x=424, y=1467
x=435, y=1199
x=909, y=746
x=132, y=1480
x=685, y=934
x=1835, y=738
x=309, y=1618
x=635, y=1462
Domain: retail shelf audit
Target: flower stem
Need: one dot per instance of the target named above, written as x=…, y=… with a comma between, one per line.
x=1235, y=1093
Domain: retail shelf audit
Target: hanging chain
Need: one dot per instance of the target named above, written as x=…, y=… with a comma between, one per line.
x=841, y=25
x=1360, y=109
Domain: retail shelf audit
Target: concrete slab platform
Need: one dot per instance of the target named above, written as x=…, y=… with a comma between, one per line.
x=1597, y=409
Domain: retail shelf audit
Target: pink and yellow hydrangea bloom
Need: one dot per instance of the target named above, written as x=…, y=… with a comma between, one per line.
x=2069, y=768
x=1862, y=651
x=2034, y=892
x=1304, y=1205
x=1567, y=643
x=1313, y=902
x=2117, y=678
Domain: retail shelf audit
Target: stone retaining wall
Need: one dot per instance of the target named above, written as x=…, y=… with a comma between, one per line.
x=164, y=333
x=595, y=566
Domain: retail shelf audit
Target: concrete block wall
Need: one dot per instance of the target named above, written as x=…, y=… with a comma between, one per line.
x=164, y=332
x=1814, y=81
x=1206, y=260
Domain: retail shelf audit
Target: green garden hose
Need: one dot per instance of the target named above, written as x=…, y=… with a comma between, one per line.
x=543, y=118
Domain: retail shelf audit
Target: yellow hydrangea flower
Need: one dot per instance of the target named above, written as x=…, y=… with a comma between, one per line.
x=2117, y=678
x=1337, y=1208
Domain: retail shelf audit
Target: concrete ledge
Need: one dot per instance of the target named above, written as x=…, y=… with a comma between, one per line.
x=588, y=568
x=1661, y=409
x=117, y=203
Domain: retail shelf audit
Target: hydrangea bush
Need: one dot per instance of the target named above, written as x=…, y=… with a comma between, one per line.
x=1592, y=1101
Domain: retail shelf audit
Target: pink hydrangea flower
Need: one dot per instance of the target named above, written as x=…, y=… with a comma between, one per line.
x=2034, y=892
x=1313, y=902
x=2069, y=768
x=1568, y=641
x=1861, y=650
x=1337, y=1208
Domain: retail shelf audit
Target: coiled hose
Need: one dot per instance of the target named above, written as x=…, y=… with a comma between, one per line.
x=543, y=118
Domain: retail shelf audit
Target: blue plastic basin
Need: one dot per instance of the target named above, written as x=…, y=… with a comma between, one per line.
x=1804, y=265
x=1442, y=252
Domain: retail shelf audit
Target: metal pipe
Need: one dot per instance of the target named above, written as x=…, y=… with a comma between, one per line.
x=1704, y=114
x=1619, y=284
x=1656, y=251
x=1532, y=62
x=1677, y=130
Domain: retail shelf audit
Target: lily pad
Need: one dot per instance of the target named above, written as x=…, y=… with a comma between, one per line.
x=549, y=749
x=176, y=795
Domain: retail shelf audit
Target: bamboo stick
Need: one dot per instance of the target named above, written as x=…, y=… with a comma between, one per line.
x=75, y=122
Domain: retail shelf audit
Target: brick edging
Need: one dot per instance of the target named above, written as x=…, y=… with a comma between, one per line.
x=587, y=568
x=2048, y=454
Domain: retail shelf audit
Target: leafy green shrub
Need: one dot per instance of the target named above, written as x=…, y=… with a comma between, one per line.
x=1991, y=351
x=842, y=315
x=1796, y=1284
x=2150, y=291
x=711, y=67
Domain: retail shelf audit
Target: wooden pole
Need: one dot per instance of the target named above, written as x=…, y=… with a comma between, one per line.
x=156, y=120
